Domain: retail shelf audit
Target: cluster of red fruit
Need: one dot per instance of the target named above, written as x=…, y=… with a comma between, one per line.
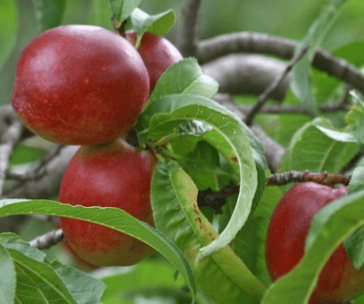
x=85, y=85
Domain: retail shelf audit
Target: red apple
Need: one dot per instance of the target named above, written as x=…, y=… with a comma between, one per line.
x=79, y=85
x=109, y=175
x=157, y=52
x=338, y=281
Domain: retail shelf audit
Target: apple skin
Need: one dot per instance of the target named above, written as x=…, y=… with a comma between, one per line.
x=157, y=52
x=80, y=85
x=109, y=175
x=338, y=281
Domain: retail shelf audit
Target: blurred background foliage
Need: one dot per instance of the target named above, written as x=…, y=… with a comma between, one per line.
x=290, y=19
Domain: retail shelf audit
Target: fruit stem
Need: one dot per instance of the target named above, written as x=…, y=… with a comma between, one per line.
x=161, y=141
x=121, y=29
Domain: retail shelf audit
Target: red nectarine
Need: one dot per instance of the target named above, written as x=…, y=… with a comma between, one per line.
x=158, y=54
x=80, y=85
x=109, y=175
x=338, y=281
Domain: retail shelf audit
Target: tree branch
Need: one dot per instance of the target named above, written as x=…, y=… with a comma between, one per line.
x=257, y=43
x=9, y=139
x=247, y=74
x=267, y=93
x=187, y=37
x=48, y=240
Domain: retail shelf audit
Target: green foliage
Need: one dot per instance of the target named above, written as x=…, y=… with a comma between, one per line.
x=222, y=275
x=30, y=276
x=157, y=24
x=8, y=28
x=48, y=13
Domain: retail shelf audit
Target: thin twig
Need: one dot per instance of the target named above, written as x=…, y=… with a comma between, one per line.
x=323, y=178
x=9, y=140
x=217, y=199
x=187, y=38
x=351, y=164
x=48, y=240
x=258, y=43
x=273, y=150
x=280, y=109
x=266, y=94
x=36, y=173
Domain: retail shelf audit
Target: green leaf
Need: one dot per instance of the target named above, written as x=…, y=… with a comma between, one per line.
x=122, y=9
x=328, y=230
x=354, y=244
x=8, y=28
x=158, y=24
x=357, y=180
x=100, y=14
x=48, y=13
x=202, y=165
x=337, y=136
x=12, y=241
x=311, y=149
x=184, y=77
x=38, y=281
x=113, y=218
x=118, y=281
x=228, y=136
x=262, y=216
x=84, y=288
x=8, y=277
x=301, y=72
x=222, y=275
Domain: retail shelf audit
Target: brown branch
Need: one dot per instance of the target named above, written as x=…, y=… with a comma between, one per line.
x=280, y=109
x=48, y=240
x=217, y=199
x=187, y=37
x=267, y=93
x=36, y=173
x=323, y=178
x=257, y=43
x=48, y=186
x=247, y=74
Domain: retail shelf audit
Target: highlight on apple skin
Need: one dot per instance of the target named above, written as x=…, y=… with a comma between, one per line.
x=109, y=175
x=80, y=85
x=338, y=281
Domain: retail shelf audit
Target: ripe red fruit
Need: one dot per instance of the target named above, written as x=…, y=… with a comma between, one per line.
x=79, y=85
x=339, y=281
x=110, y=175
x=158, y=54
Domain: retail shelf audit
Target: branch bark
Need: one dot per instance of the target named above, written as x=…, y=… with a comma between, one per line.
x=257, y=43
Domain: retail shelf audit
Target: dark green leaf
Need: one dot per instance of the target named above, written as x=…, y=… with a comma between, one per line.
x=100, y=14
x=48, y=13
x=8, y=28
